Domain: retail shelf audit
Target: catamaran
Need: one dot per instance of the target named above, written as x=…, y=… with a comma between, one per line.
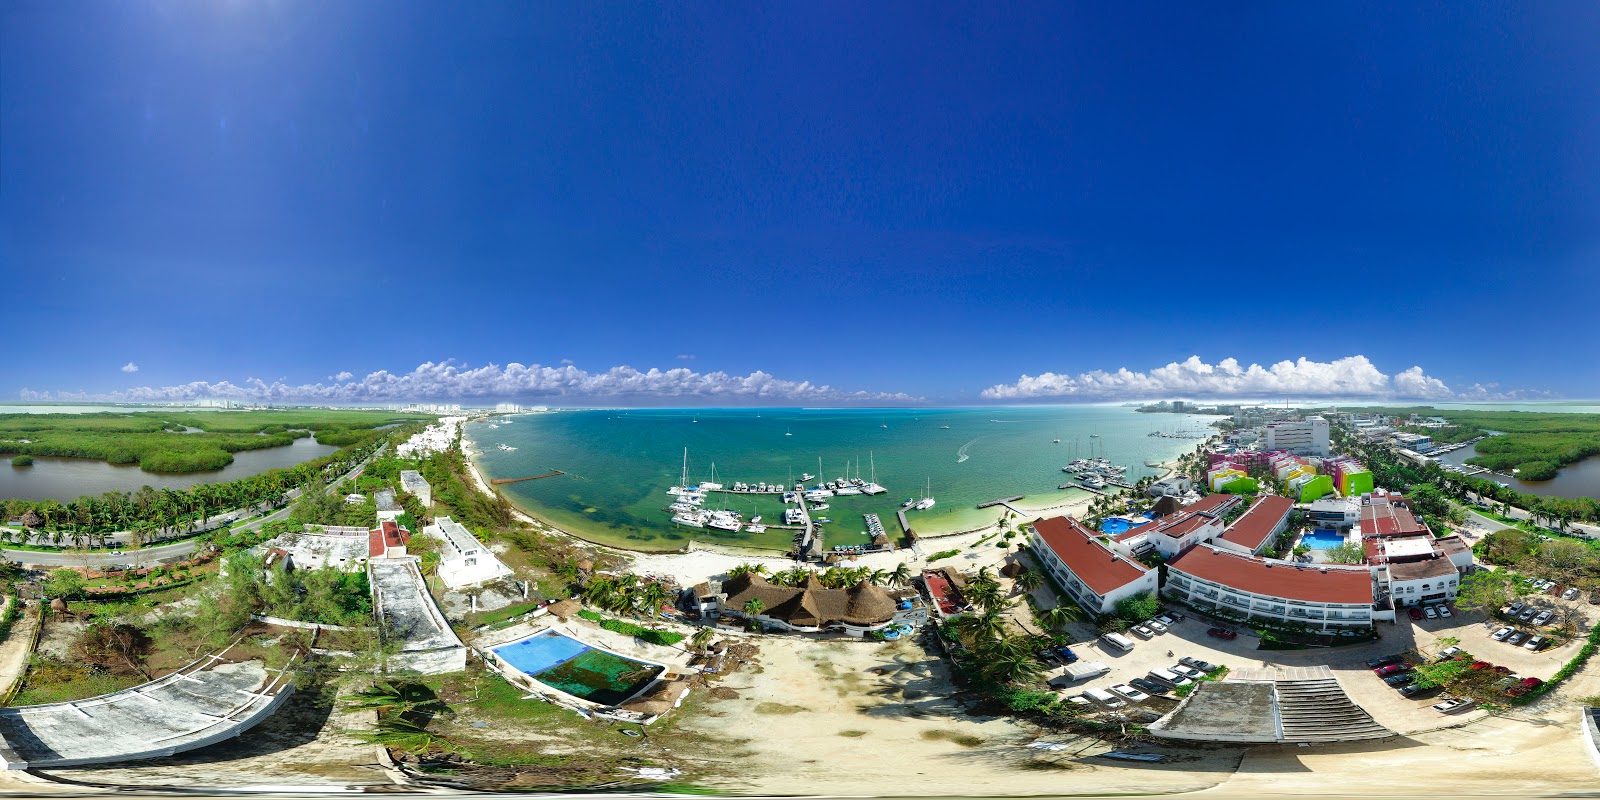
x=872, y=487
x=927, y=497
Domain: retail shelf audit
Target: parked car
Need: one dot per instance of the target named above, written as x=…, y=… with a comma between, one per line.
x=1444, y=612
x=1143, y=631
x=1430, y=613
x=1516, y=608
x=1385, y=661
x=1392, y=669
x=1544, y=617
x=1187, y=671
x=1500, y=635
x=1570, y=594
x=1156, y=626
x=1516, y=638
x=1169, y=678
x=1105, y=698
x=1066, y=655
x=1417, y=690
x=1416, y=613
x=1399, y=680
x=1528, y=614
x=1452, y=705
x=1449, y=652
x=1149, y=686
x=1165, y=619
x=1203, y=666
x=1536, y=644
x=1222, y=633
x=1129, y=693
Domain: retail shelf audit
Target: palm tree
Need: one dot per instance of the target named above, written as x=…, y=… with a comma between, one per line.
x=980, y=629
x=753, y=608
x=901, y=575
x=652, y=595
x=1058, y=616
x=746, y=569
x=1028, y=580
x=702, y=638
x=1009, y=661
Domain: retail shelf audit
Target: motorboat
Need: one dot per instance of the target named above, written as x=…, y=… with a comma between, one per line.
x=756, y=518
x=755, y=529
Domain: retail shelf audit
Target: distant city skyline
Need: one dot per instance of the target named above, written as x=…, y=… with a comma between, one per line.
x=821, y=204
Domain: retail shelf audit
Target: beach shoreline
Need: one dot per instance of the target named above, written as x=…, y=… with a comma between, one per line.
x=698, y=560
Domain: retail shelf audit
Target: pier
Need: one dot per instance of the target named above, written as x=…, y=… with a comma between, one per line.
x=1004, y=501
x=905, y=527
x=1080, y=486
x=1120, y=483
x=550, y=474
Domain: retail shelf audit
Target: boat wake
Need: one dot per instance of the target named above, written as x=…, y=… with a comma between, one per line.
x=961, y=454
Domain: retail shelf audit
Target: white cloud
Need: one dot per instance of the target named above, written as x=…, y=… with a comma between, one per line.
x=685, y=356
x=130, y=367
x=566, y=361
x=344, y=376
x=1349, y=377
x=448, y=380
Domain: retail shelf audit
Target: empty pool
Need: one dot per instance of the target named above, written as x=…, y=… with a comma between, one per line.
x=564, y=663
x=1322, y=539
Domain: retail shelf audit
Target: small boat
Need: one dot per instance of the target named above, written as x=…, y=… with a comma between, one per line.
x=909, y=502
x=755, y=529
x=787, y=433
x=756, y=518
x=806, y=476
x=820, y=520
x=944, y=427
x=1055, y=441
x=819, y=506
x=506, y=447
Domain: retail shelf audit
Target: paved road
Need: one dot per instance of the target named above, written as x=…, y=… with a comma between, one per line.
x=153, y=554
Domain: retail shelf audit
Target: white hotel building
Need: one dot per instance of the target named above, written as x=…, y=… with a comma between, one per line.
x=1322, y=595
x=1091, y=572
x=1305, y=437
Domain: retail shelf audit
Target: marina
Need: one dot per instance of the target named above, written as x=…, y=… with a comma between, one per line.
x=620, y=467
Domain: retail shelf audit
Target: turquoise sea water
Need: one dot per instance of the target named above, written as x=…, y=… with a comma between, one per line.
x=620, y=463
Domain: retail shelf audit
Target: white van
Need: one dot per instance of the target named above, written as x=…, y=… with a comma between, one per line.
x=1118, y=641
x=1104, y=698
x=1169, y=678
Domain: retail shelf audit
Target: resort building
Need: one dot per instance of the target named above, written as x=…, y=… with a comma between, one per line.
x=1253, y=532
x=1169, y=536
x=1306, y=437
x=1325, y=596
x=1335, y=512
x=343, y=548
x=1385, y=514
x=463, y=560
x=1418, y=569
x=811, y=607
x=412, y=483
x=1173, y=485
x=1350, y=477
x=1094, y=574
x=388, y=540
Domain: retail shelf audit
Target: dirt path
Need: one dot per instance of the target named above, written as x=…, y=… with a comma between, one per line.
x=14, y=650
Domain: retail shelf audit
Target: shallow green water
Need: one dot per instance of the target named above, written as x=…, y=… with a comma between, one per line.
x=620, y=463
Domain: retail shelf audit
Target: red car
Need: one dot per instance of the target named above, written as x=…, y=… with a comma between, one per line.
x=1416, y=613
x=1392, y=669
x=1222, y=633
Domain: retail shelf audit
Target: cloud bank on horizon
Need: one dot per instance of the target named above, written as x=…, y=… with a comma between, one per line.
x=445, y=380
x=1352, y=377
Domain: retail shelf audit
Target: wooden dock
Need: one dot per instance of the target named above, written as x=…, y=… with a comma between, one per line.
x=550, y=474
x=1079, y=486
x=1004, y=501
x=1120, y=483
x=904, y=526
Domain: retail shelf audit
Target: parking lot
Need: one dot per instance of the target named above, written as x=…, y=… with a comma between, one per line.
x=1188, y=638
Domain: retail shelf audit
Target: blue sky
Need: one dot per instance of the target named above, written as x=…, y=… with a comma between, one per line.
x=944, y=202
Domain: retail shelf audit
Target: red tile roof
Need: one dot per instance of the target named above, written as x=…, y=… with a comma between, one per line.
x=1256, y=525
x=1213, y=503
x=388, y=535
x=1252, y=574
x=1095, y=564
x=1388, y=519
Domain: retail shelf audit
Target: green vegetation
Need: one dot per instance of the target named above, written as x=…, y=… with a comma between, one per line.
x=22, y=461
x=943, y=554
x=152, y=514
x=1346, y=553
x=325, y=596
x=1535, y=444
x=163, y=441
x=1138, y=608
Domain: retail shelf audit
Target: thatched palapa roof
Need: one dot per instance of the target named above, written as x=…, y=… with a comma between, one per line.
x=1164, y=505
x=811, y=605
x=565, y=608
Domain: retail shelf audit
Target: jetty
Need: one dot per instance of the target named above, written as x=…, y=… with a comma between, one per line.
x=905, y=527
x=1004, y=501
x=550, y=474
x=1079, y=486
x=1120, y=483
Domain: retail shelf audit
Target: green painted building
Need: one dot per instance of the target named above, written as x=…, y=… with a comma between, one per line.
x=1319, y=486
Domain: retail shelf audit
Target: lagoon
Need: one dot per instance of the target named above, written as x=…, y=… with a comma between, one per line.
x=619, y=464
x=68, y=478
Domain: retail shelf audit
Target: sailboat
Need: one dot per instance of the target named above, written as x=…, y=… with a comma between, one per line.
x=786, y=432
x=872, y=487
x=683, y=481
x=927, y=499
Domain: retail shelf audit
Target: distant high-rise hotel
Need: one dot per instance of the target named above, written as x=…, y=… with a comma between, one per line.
x=1305, y=437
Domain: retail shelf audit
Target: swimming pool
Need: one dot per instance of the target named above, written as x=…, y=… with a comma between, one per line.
x=566, y=664
x=1116, y=525
x=1322, y=539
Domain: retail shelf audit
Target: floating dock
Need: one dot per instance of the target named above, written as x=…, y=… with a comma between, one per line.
x=1004, y=501
x=1079, y=486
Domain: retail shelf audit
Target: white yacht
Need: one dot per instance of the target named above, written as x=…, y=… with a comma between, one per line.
x=1094, y=481
x=924, y=504
x=755, y=528
x=693, y=519
x=819, y=506
x=723, y=523
x=806, y=476
x=506, y=447
x=756, y=518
